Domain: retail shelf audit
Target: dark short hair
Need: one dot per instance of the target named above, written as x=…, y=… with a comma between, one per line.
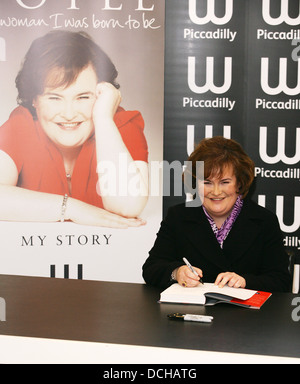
x=218, y=153
x=69, y=53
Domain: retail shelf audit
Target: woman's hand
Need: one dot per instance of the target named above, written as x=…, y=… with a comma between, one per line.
x=122, y=181
x=187, y=278
x=108, y=99
x=231, y=279
x=86, y=214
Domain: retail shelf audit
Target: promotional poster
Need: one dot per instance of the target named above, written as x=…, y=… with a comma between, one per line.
x=131, y=33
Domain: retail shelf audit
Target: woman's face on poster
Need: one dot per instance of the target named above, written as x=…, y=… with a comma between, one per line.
x=65, y=113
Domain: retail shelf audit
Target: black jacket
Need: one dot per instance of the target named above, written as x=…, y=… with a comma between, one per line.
x=253, y=249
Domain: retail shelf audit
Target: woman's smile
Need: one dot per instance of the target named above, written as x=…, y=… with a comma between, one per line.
x=220, y=194
x=66, y=114
x=69, y=126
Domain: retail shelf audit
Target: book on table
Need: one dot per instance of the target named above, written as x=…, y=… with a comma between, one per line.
x=210, y=294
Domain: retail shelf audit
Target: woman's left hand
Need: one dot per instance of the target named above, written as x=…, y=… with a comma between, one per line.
x=108, y=99
x=231, y=279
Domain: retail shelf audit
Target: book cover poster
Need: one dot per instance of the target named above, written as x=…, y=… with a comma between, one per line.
x=131, y=33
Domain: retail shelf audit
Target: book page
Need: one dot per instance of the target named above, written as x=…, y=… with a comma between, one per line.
x=238, y=293
x=177, y=293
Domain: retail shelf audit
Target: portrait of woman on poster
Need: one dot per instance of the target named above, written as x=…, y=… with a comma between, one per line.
x=228, y=238
x=67, y=138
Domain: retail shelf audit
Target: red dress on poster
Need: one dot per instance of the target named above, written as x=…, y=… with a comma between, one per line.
x=40, y=164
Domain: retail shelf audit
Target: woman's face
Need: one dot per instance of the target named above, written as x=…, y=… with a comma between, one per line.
x=220, y=194
x=65, y=114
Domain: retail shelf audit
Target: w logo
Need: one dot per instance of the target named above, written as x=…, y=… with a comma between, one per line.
x=281, y=156
x=210, y=15
x=208, y=134
x=284, y=16
x=66, y=271
x=282, y=82
x=209, y=85
x=280, y=212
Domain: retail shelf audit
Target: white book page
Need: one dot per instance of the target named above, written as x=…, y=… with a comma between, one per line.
x=196, y=294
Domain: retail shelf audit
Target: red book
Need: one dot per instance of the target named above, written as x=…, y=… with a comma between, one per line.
x=210, y=294
x=255, y=302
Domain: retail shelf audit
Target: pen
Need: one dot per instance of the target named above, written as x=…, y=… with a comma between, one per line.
x=189, y=317
x=192, y=269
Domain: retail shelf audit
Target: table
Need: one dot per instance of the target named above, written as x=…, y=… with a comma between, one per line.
x=128, y=314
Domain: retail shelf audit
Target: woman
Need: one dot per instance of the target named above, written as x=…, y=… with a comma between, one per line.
x=61, y=149
x=228, y=239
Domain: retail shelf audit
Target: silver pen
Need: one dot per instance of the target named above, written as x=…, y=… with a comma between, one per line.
x=190, y=317
x=192, y=269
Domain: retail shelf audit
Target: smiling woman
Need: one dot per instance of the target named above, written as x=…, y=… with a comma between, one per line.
x=220, y=195
x=65, y=114
x=228, y=239
x=69, y=121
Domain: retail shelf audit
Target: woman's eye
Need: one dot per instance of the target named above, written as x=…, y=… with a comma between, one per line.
x=86, y=97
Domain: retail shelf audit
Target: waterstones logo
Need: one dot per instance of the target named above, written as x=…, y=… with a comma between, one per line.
x=280, y=156
x=208, y=133
x=210, y=13
x=209, y=85
x=67, y=273
x=209, y=82
x=280, y=212
x=284, y=13
x=282, y=80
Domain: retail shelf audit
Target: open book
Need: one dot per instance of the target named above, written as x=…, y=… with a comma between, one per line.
x=211, y=294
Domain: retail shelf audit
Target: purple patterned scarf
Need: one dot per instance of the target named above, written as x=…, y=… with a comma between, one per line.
x=223, y=232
